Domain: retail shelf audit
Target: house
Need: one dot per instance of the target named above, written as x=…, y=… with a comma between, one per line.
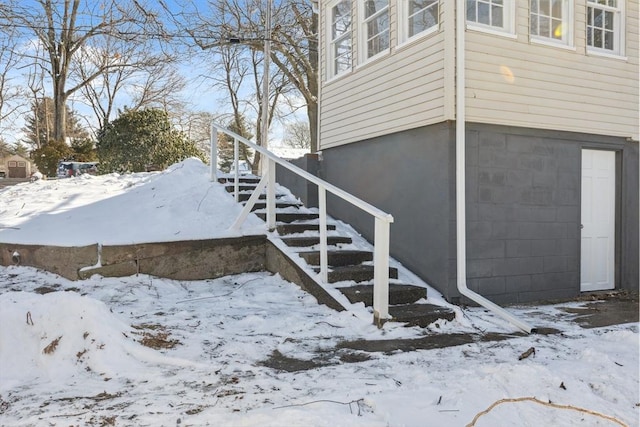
x=14, y=166
x=547, y=93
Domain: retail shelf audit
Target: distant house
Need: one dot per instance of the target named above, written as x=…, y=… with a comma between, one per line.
x=549, y=100
x=14, y=166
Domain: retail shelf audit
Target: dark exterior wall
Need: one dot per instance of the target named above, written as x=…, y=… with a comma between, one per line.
x=300, y=187
x=406, y=175
x=523, y=206
x=629, y=221
x=523, y=219
x=523, y=212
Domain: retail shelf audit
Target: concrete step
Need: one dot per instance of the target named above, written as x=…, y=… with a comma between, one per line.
x=284, y=229
x=356, y=273
x=241, y=187
x=243, y=197
x=299, y=242
x=289, y=217
x=338, y=258
x=279, y=205
x=398, y=293
x=245, y=179
x=421, y=315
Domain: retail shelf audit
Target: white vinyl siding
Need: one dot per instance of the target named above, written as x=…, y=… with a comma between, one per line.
x=369, y=104
x=511, y=82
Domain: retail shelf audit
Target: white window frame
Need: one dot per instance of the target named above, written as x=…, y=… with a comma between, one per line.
x=332, y=70
x=567, y=27
x=618, y=27
x=363, y=47
x=508, y=18
x=404, y=25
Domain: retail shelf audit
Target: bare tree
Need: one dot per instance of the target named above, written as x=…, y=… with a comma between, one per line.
x=297, y=134
x=144, y=79
x=11, y=94
x=293, y=48
x=64, y=28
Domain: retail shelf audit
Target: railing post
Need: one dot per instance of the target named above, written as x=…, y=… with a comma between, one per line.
x=324, y=259
x=381, y=273
x=214, y=153
x=271, y=194
x=236, y=182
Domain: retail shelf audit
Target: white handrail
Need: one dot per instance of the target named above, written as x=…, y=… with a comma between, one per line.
x=382, y=219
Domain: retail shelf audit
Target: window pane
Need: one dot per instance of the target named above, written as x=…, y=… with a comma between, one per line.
x=545, y=7
x=378, y=25
x=597, y=17
x=534, y=6
x=597, y=37
x=558, y=29
x=534, y=25
x=471, y=11
x=608, y=20
x=484, y=16
x=608, y=40
x=589, y=36
x=373, y=6
x=556, y=9
x=421, y=22
x=496, y=16
x=545, y=26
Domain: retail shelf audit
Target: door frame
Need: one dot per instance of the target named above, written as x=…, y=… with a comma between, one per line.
x=617, y=215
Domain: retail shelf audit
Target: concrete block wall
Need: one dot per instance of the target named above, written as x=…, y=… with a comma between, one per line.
x=524, y=213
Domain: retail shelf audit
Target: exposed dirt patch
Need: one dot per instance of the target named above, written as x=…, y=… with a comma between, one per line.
x=155, y=336
x=45, y=290
x=49, y=349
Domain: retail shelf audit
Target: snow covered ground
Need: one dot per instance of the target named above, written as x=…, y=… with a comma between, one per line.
x=145, y=351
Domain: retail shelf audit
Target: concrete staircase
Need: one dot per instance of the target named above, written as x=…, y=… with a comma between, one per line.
x=350, y=263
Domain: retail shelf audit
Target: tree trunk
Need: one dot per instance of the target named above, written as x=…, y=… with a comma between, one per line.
x=59, y=119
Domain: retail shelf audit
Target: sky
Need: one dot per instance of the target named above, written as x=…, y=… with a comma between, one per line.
x=198, y=95
x=147, y=351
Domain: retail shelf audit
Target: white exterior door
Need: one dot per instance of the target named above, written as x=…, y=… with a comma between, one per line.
x=598, y=220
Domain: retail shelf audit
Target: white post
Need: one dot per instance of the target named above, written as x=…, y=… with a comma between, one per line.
x=271, y=194
x=265, y=82
x=236, y=182
x=214, y=153
x=324, y=259
x=381, y=273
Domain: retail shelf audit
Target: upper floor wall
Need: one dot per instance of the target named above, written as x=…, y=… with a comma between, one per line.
x=388, y=66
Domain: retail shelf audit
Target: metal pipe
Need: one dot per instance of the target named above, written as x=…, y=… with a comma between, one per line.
x=461, y=215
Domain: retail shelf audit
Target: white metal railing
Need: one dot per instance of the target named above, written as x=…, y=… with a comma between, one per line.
x=268, y=181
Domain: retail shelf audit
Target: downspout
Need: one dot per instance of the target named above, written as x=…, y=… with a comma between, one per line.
x=461, y=215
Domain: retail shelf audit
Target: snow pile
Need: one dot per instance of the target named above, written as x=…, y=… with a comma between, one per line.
x=61, y=335
x=180, y=203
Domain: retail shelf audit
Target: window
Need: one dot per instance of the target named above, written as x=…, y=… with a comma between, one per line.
x=374, y=28
x=13, y=164
x=496, y=15
x=418, y=17
x=551, y=20
x=604, y=26
x=340, y=38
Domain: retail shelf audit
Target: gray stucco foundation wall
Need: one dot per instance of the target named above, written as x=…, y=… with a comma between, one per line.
x=407, y=175
x=300, y=187
x=523, y=206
